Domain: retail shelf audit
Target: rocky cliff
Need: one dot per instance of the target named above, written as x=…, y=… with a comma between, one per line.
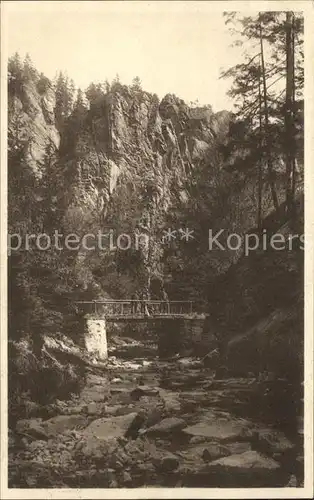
x=122, y=164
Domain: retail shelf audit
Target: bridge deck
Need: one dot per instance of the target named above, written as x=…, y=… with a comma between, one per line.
x=138, y=310
x=142, y=317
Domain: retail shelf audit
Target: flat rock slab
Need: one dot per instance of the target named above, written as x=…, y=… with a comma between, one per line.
x=61, y=423
x=168, y=462
x=97, y=380
x=111, y=428
x=171, y=400
x=274, y=441
x=167, y=425
x=248, y=469
x=121, y=397
x=196, y=396
x=91, y=446
x=75, y=410
x=96, y=393
x=233, y=383
x=220, y=429
x=96, y=408
x=205, y=452
x=190, y=362
x=32, y=427
x=144, y=390
x=241, y=447
x=248, y=460
x=118, y=410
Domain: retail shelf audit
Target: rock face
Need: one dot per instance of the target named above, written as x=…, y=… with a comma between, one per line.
x=135, y=139
x=122, y=164
x=35, y=115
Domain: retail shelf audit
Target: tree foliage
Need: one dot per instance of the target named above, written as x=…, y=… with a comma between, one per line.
x=268, y=108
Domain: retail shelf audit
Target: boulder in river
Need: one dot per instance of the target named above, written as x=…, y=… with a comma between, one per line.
x=273, y=441
x=220, y=428
x=37, y=445
x=144, y=390
x=206, y=451
x=262, y=471
x=92, y=448
x=61, y=423
x=92, y=393
x=32, y=427
x=238, y=447
x=166, y=426
x=171, y=401
x=168, y=462
x=246, y=470
x=113, y=427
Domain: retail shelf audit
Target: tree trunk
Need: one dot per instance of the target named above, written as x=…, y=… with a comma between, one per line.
x=293, y=181
x=260, y=163
x=288, y=111
x=267, y=134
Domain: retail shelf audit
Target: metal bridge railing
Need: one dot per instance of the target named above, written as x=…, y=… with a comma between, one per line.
x=137, y=307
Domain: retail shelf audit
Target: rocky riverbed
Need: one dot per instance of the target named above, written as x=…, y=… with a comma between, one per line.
x=150, y=422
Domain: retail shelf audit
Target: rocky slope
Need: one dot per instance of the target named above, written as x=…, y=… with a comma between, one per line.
x=154, y=423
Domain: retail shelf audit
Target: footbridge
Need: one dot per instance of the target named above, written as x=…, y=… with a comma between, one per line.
x=129, y=309
x=175, y=322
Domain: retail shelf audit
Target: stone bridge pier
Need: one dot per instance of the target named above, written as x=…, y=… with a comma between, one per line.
x=175, y=335
x=95, y=336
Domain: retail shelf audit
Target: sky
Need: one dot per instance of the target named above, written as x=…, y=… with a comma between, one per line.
x=173, y=47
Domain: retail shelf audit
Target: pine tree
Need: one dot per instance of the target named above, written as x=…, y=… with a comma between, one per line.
x=29, y=70
x=15, y=66
x=265, y=89
x=64, y=98
x=107, y=86
x=79, y=104
x=15, y=74
x=116, y=84
x=271, y=174
x=136, y=84
x=71, y=92
x=94, y=92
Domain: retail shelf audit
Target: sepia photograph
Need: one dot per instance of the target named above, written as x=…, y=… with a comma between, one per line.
x=158, y=293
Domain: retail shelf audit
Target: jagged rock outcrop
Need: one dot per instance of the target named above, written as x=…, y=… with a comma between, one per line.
x=133, y=142
x=32, y=119
x=132, y=159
